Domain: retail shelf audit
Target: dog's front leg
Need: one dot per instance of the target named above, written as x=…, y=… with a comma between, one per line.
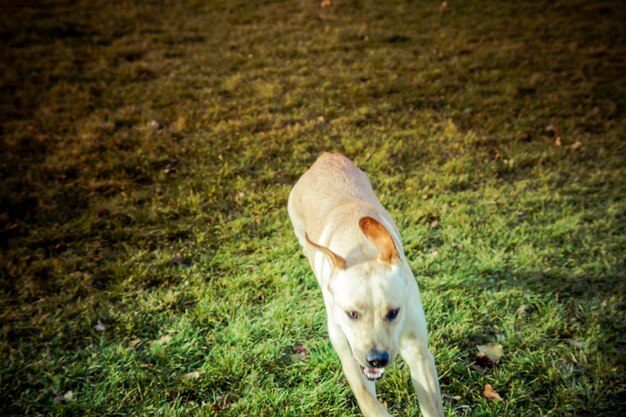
x=415, y=352
x=364, y=390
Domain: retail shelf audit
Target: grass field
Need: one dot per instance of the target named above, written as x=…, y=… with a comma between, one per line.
x=147, y=263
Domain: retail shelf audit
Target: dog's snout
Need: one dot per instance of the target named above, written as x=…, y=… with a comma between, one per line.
x=377, y=359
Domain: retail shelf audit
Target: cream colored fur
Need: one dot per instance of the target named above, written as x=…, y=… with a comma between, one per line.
x=355, y=252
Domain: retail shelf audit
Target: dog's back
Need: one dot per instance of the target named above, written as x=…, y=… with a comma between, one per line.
x=332, y=184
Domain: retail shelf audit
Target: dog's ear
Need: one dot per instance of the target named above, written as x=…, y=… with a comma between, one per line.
x=381, y=239
x=337, y=260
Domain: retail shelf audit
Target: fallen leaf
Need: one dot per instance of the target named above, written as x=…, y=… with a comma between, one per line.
x=100, y=327
x=68, y=396
x=163, y=340
x=191, y=375
x=552, y=130
x=301, y=352
x=576, y=345
x=59, y=247
x=425, y=197
x=489, y=355
x=576, y=145
x=491, y=393
x=135, y=342
x=177, y=259
x=522, y=310
x=300, y=348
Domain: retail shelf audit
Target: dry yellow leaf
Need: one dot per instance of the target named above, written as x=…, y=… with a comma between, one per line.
x=163, y=340
x=491, y=393
x=491, y=351
x=191, y=375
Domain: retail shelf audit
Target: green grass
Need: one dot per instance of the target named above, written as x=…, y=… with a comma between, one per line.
x=462, y=103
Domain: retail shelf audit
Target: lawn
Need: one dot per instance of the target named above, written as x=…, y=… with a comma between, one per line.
x=147, y=262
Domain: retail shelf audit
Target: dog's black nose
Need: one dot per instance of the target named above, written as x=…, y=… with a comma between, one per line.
x=377, y=359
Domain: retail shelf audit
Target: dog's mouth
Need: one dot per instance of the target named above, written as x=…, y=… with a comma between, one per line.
x=373, y=374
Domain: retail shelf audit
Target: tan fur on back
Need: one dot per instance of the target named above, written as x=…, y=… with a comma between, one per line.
x=335, y=192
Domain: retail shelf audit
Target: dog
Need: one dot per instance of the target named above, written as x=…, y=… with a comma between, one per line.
x=372, y=300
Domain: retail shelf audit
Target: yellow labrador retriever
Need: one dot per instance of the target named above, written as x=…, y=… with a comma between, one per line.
x=372, y=301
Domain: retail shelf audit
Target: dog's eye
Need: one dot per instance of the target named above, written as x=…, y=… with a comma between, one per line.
x=393, y=313
x=354, y=315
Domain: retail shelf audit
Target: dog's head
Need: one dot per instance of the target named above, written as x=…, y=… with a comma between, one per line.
x=368, y=301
